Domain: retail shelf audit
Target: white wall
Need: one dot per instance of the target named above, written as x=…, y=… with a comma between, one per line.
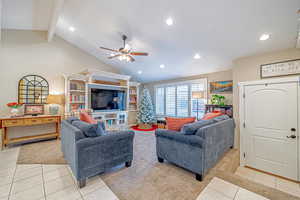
x=248, y=69
x=28, y=52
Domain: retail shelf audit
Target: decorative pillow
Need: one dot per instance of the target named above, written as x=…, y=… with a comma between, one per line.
x=71, y=119
x=211, y=115
x=190, y=129
x=221, y=118
x=89, y=130
x=175, y=124
x=87, y=118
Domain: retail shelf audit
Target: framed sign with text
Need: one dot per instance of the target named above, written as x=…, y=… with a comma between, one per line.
x=285, y=68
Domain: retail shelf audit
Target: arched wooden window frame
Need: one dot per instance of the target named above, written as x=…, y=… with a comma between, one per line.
x=33, y=89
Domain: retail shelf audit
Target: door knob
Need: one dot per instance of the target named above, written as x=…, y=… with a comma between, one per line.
x=291, y=136
x=293, y=129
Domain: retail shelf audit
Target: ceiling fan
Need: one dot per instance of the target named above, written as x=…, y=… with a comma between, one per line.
x=124, y=53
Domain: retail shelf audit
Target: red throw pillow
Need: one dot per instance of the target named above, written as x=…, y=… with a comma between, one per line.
x=87, y=118
x=212, y=115
x=175, y=124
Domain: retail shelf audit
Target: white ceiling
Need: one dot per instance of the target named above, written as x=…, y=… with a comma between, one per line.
x=220, y=31
x=26, y=14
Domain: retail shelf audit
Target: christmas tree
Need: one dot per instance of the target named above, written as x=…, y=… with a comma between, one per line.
x=145, y=115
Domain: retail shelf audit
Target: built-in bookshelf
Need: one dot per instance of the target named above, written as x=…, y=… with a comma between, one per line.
x=112, y=120
x=133, y=102
x=75, y=93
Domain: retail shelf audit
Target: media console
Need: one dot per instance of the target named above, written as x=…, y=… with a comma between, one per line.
x=78, y=96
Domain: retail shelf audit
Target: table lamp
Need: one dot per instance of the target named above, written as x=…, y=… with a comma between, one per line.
x=54, y=101
x=198, y=95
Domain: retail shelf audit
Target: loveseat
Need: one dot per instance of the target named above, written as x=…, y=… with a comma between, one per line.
x=197, y=146
x=89, y=156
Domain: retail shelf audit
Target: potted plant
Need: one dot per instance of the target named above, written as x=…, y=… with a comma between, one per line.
x=218, y=100
x=14, y=108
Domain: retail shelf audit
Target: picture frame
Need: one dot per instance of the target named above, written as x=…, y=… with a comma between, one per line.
x=217, y=87
x=34, y=109
x=278, y=69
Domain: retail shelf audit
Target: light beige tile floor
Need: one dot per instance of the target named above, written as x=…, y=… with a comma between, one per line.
x=269, y=180
x=41, y=182
x=219, y=189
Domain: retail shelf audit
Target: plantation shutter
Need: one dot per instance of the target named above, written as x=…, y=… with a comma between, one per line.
x=182, y=100
x=160, y=101
x=170, y=101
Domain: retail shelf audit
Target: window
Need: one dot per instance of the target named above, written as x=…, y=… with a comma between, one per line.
x=170, y=101
x=201, y=102
x=176, y=99
x=159, y=99
x=183, y=100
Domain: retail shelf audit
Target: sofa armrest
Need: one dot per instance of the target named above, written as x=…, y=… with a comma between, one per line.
x=192, y=140
x=218, y=138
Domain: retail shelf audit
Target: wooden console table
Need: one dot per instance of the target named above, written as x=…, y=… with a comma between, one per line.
x=6, y=123
x=227, y=109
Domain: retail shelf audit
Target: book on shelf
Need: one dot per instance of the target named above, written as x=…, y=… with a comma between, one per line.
x=132, y=100
x=77, y=98
x=77, y=107
x=77, y=86
x=132, y=91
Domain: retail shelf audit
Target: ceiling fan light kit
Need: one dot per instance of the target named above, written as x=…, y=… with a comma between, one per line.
x=124, y=53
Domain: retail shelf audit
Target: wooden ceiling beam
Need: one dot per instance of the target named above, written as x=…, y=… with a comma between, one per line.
x=57, y=10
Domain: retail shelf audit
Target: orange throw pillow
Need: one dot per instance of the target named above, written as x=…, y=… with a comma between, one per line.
x=175, y=124
x=87, y=118
x=212, y=115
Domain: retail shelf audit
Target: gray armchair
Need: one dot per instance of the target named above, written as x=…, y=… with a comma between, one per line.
x=197, y=152
x=89, y=156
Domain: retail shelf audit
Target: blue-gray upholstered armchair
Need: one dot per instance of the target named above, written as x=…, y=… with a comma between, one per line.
x=89, y=156
x=197, y=152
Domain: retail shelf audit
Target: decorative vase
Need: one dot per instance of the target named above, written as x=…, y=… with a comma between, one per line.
x=14, y=112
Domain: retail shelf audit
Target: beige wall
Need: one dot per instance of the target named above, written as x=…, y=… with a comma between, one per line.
x=248, y=69
x=28, y=52
x=216, y=76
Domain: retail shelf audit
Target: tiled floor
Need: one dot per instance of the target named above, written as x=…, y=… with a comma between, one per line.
x=41, y=182
x=269, y=180
x=219, y=189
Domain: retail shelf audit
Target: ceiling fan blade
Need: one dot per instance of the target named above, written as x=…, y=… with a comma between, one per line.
x=110, y=57
x=138, y=54
x=109, y=49
x=131, y=58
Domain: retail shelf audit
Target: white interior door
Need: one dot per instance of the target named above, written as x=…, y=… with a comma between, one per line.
x=270, y=127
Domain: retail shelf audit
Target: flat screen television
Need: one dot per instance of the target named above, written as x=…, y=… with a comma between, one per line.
x=105, y=99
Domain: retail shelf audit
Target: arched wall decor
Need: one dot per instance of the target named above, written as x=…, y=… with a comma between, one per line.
x=33, y=89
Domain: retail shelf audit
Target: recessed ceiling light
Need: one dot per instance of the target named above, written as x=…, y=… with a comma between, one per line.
x=264, y=37
x=71, y=28
x=197, y=56
x=162, y=66
x=140, y=72
x=169, y=21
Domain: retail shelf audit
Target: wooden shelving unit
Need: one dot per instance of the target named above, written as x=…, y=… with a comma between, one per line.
x=79, y=85
x=133, y=102
x=75, y=93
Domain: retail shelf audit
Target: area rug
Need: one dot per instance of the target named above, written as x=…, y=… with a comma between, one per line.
x=42, y=152
x=136, y=128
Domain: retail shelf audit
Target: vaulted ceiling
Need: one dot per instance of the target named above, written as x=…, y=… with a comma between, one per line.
x=219, y=31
